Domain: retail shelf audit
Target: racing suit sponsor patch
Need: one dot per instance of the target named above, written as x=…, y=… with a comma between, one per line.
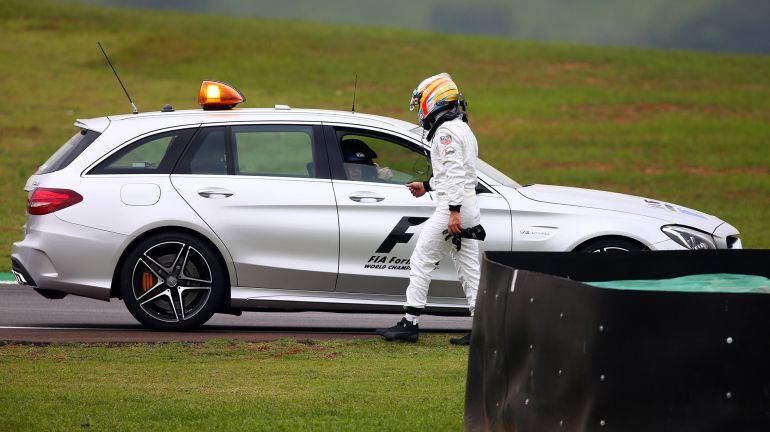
x=446, y=139
x=446, y=151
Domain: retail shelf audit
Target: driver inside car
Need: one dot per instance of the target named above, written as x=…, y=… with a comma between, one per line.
x=359, y=162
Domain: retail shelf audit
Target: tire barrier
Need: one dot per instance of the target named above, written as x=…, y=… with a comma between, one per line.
x=550, y=353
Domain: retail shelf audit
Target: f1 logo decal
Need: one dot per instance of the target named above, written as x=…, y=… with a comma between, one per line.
x=399, y=234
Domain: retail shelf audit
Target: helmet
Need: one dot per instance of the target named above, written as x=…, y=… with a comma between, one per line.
x=432, y=95
x=356, y=151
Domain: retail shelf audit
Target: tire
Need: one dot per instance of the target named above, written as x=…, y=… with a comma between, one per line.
x=172, y=282
x=610, y=245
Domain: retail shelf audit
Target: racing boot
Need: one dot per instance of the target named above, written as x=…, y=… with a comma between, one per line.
x=465, y=340
x=403, y=331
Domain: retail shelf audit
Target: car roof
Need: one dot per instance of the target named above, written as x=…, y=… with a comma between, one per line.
x=158, y=119
x=151, y=121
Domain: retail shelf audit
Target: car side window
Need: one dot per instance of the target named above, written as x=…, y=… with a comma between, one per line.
x=69, y=151
x=155, y=154
x=207, y=153
x=273, y=150
x=380, y=159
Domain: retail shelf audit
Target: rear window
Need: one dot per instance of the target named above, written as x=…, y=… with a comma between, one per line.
x=155, y=154
x=69, y=151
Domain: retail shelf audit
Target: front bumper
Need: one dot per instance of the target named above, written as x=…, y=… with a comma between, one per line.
x=672, y=245
x=62, y=256
x=726, y=237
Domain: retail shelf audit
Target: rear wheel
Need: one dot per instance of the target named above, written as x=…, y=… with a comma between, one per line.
x=172, y=281
x=611, y=245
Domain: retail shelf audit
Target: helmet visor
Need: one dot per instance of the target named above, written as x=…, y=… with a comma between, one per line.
x=415, y=101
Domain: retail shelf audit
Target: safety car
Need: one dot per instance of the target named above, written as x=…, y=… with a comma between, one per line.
x=183, y=214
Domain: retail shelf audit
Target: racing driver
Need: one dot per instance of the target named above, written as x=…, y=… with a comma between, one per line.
x=455, y=226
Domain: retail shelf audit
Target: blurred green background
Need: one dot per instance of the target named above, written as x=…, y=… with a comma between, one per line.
x=690, y=128
x=712, y=25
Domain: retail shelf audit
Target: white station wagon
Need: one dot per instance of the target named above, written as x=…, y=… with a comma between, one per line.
x=184, y=214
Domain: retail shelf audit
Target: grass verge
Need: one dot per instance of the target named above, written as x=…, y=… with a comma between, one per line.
x=284, y=385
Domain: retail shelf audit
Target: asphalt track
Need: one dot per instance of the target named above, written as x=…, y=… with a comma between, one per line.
x=26, y=316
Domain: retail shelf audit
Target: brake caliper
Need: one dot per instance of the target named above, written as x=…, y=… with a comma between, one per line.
x=148, y=281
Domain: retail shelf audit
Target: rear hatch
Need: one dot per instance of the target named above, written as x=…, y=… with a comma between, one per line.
x=63, y=157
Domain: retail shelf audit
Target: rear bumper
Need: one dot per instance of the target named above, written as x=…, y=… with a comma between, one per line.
x=62, y=256
x=21, y=274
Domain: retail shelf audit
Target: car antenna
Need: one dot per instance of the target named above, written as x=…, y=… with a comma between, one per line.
x=133, y=107
x=355, y=87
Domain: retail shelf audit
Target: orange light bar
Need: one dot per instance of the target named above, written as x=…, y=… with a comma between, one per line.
x=215, y=95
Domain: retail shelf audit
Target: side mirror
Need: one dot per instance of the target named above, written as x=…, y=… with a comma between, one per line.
x=480, y=189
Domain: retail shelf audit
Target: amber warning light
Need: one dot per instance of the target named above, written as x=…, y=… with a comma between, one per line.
x=215, y=95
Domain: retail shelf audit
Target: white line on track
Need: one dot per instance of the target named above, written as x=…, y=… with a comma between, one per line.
x=314, y=331
x=7, y=282
x=64, y=328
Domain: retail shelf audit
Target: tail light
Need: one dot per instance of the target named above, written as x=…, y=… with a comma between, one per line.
x=48, y=200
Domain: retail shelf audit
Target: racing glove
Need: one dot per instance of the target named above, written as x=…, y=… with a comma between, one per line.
x=474, y=233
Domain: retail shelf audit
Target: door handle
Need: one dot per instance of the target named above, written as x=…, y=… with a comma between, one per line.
x=366, y=197
x=214, y=192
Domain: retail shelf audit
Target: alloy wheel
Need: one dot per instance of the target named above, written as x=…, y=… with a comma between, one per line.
x=609, y=249
x=171, y=281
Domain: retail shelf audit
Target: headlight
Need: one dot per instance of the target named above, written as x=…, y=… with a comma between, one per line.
x=689, y=237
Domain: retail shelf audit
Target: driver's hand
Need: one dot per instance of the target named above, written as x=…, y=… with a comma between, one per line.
x=416, y=188
x=384, y=173
x=454, y=225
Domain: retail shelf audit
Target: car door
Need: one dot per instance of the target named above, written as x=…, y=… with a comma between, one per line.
x=264, y=189
x=379, y=218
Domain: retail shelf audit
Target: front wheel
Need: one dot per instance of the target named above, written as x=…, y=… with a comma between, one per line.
x=611, y=245
x=172, y=282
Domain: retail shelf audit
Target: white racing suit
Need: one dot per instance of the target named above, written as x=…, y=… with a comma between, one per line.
x=454, y=151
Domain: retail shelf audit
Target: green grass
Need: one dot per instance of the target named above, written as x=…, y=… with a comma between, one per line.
x=691, y=128
x=355, y=385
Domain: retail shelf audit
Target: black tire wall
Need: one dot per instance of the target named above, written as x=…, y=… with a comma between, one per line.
x=551, y=354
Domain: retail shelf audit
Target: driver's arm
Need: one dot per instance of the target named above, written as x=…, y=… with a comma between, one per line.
x=384, y=173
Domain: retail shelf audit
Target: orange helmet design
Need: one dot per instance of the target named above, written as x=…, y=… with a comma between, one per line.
x=433, y=94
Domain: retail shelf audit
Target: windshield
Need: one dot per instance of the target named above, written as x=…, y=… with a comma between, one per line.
x=496, y=175
x=418, y=131
x=486, y=168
